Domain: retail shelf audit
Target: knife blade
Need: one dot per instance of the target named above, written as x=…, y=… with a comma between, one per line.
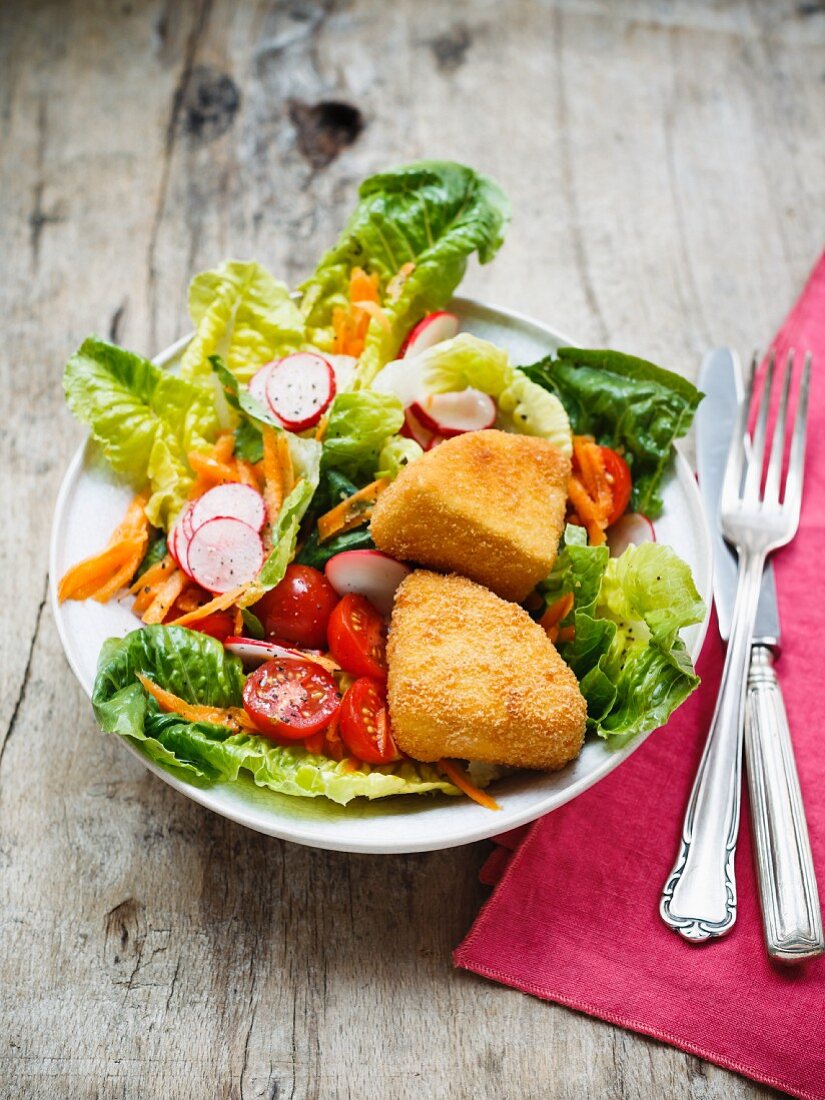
x=721, y=381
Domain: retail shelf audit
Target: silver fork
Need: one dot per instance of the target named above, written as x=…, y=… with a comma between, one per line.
x=699, y=897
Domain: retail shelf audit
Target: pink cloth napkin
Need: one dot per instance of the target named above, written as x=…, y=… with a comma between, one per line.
x=574, y=915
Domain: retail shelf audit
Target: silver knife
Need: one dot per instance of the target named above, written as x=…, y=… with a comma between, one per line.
x=787, y=884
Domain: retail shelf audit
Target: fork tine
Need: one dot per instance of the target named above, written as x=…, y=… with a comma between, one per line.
x=778, y=443
x=796, y=463
x=753, y=479
x=732, y=482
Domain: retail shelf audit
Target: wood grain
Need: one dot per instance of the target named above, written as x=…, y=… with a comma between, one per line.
x=665, y=166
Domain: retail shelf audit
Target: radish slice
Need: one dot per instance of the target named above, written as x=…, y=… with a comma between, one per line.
x=632, y=529
x=403, y=378
x=253, y=651
x=232, y=500
x=414, y=429
x=257, y=384
x=451, y=414
x=430, y=330
x=179, y=538
x=368, y=573
x=436, y=439
x=299, y=388
x=224, y=553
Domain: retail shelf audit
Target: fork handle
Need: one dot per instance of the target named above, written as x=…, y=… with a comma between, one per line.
x=787, y=882
x=699, y=896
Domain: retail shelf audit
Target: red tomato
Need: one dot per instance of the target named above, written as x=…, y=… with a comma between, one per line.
x=365, y=723
x=220, y=625
x=290, y=698
x=618, y=474
x=357, y=637
x=298, y=609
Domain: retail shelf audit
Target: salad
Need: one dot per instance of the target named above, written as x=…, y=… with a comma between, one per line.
x=262, y=604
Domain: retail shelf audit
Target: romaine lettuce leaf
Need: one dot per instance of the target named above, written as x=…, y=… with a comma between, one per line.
x=243, y=313
x=626, y=403
x=197, y=668
x=397, y=453
x=359, y=425
x=468, y=361
x=284, y=539
x=631, y=664
x=434, y=214
x=145, y=418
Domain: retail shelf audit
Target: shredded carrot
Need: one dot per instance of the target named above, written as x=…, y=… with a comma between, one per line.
x=459, y=779
x=567, y=633
x=220, y=603
x=166, y=595
x=586, y=510
x=224, y=447
x=376, y=313
x=190, y=599
x=285, y=465
x=157, y=572
x=321, y=430
x=235, y=718
x=118, y=561
x=350, y=325
x=237, y=625
x=553, y=632
x=362, y=287
x=273, y=483
x=351, y=512
x=333, y=745
x=212, y=469
x=247, y=474
x=589, y=488
x=556, y=612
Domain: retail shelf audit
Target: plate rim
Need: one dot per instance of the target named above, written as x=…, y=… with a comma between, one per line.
x=293, y=832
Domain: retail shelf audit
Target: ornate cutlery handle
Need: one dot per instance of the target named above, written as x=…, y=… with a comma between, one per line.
x=787, y=883
x=699, y=897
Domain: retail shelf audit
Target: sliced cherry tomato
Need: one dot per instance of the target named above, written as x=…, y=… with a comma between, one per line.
x=365, y=723
x=298, y=609
x=357, y=637
x=621, y=483
x=220, y=625
x=290, y=698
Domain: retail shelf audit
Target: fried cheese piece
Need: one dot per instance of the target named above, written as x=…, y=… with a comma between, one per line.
x=472, y=676
x=489, y=505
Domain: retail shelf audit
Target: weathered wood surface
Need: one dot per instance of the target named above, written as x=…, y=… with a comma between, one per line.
x=665, y=163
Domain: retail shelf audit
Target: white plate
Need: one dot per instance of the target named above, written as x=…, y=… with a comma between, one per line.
x=91, y=503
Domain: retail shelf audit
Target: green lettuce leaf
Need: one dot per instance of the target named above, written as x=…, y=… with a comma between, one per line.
x=523, y=405
x=145, y=419
x=397, y=453
x=635, y=407
x=244, y=314
x=434, y=214
x=631, y=664
x=359, y=425
x=197, y=668
x=317, y=553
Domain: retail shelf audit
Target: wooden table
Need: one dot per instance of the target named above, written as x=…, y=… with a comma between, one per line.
x=666, y=164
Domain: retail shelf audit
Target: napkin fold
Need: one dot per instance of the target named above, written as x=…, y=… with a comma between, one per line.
x=574, y=916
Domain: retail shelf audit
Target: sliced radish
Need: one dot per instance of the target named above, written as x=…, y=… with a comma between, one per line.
x=224, y=553
x=632, y=529
x=299, y=388
x=368, y=573
x=432, y=329
x=179, y=538
x=257, y=384
x=436, y=439
x=414, y=429
x=232, y=500
x=253, y=651
x=451, y=414
x=403, y=378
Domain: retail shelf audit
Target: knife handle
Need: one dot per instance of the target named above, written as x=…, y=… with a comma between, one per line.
x=787, y=882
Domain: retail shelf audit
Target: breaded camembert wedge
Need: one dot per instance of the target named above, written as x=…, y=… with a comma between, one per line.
x=472, y=676
x=489, y=505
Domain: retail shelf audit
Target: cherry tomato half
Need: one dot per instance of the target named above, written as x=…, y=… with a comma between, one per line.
x=365, y=723
x=298, y=609
x=357, y=637
x=290, y=699
x=618, y=474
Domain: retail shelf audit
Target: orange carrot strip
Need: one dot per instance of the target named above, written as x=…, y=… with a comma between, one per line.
x=247, y=474
x=167, y=593
x=553, y=633
x=219, y=603
x=556, y=611
x=273, y=484
x=567, y=633
x=211, y=468
x=118, y=580
x=321, y=430
x=81, y=581
x=351, y=512
x=459, y=779
x=376, y=313
x=362, y=287
x=285, y=465
x=235, y=718
x=224, y=447
x=157, y=572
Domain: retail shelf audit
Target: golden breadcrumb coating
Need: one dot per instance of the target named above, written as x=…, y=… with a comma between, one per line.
x=472, y=676
x=487, y=504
